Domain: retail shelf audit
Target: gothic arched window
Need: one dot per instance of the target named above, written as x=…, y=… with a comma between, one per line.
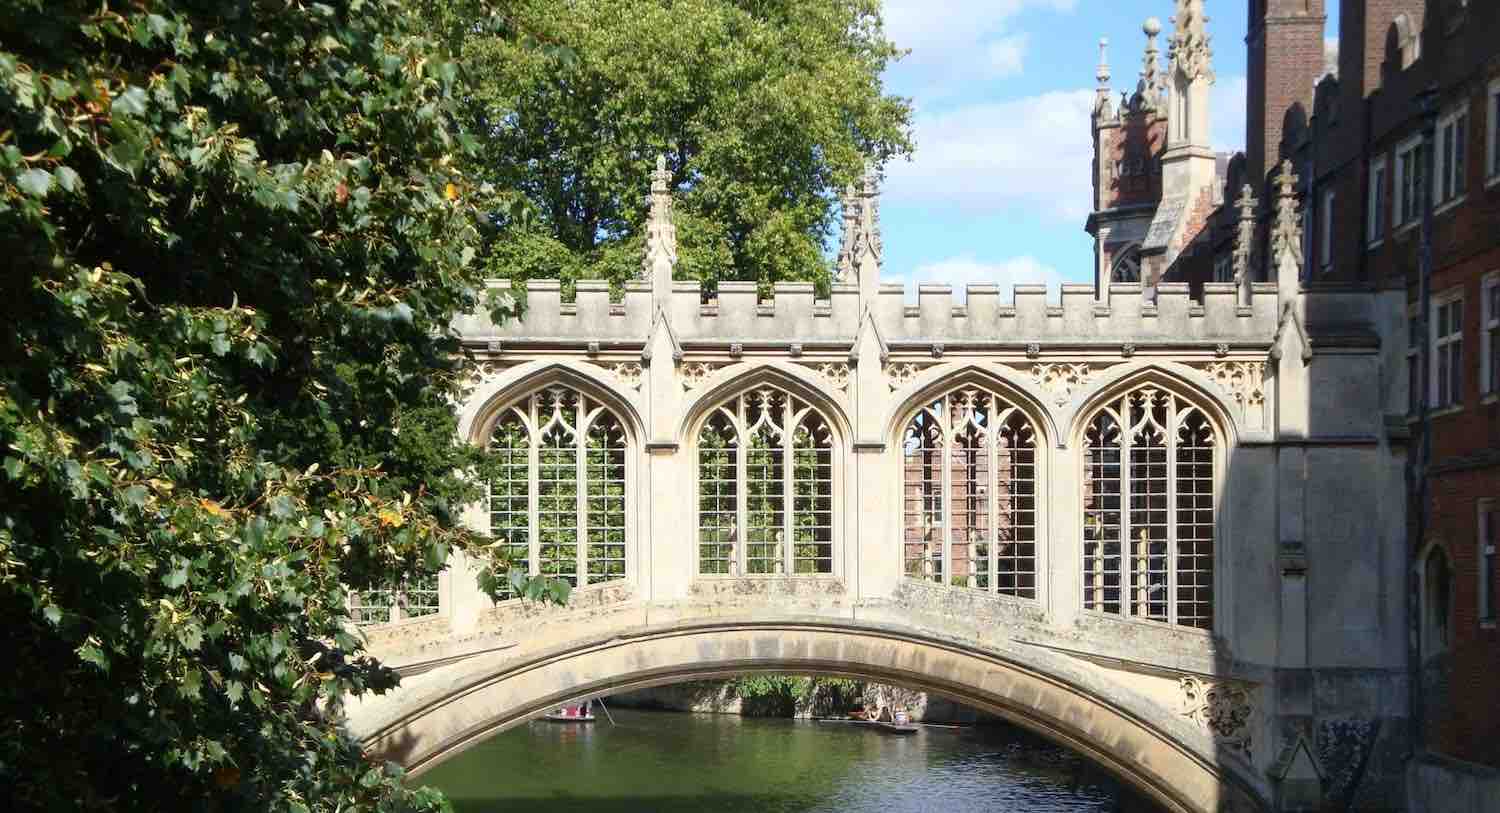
x=558, y=485
x=765, y=487
x=1148, y=509
x=1127, y=267
x=969, y=494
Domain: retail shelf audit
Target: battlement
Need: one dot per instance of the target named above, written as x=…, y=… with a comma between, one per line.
x=794, y=314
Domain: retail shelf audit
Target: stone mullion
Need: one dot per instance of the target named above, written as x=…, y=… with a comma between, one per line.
x=1171, y=509
x=992, y=483
x=741, y=489
x=534, y=491
x=1126, y=560
x=946, y=427
x=787, y=489
x=580, y=485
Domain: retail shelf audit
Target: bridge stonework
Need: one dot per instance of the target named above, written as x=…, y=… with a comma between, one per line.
x=1164, y=529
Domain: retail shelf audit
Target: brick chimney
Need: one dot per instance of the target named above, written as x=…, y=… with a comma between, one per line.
x=1285, y=44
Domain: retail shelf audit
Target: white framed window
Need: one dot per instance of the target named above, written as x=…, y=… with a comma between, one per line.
x=1452, y=158
x=1489, y=554
x=1489, y=339
x=1410, y=174
x=1325, y=234
x=765, y=487
x=1492, y=142
x=557, y=492
x=969, y=486
x=1447, y=350
x=1149, y=520
x=1375, y=218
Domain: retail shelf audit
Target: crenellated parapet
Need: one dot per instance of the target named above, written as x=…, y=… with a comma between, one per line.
x=981, y=316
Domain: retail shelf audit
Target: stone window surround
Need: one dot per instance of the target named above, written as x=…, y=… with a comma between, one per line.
x=1430, y=621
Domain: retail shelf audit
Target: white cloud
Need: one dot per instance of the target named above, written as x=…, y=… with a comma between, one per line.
x=1007, y=56
x=949, y=38
x=1226, y=110
x=1033, y=154
x=1331, y=55
x=964, y=269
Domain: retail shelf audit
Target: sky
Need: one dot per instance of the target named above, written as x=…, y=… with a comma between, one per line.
x=998, y=189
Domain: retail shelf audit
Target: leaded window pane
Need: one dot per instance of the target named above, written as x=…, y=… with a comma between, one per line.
x=1148, y=510
x=765, y=487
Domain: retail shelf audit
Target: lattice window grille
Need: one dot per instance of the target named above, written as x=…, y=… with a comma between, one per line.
x=558, y=498
x=765, y=465
x=1149, y=510
x=969, y=494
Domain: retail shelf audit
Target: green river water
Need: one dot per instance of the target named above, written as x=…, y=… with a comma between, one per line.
x=720, y=763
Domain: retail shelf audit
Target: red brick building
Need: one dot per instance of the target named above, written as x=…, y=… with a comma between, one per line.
x=1369, y=172
x=1365, y=169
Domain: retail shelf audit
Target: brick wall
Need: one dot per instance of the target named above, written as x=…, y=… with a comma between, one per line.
x=1291, y=33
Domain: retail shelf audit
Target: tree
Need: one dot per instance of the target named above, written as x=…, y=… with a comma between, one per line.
x=764, y=109
x=236, y=235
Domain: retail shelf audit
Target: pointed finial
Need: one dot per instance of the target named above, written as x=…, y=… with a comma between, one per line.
x=1244, y=242
x=1148, y=89
x=1286, y=232
x=849, y=200
x=661, y=234
x=1189, y=51
x=1102, y=74
x=867, y=233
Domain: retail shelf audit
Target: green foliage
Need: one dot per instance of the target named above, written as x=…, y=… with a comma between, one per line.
x=237, y=233
x=763, y=109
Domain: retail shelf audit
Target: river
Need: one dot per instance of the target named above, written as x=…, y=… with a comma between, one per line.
x=722, y=763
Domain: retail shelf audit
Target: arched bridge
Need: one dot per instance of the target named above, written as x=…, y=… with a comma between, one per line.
x=1121, y=520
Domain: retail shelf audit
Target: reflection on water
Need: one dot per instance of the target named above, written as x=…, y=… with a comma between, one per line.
x=661, y=761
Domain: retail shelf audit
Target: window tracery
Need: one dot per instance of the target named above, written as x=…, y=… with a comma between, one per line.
x=557, y=488
x=1128, y=267
x=765, y=487
x=969, y=494
x=1149, y=509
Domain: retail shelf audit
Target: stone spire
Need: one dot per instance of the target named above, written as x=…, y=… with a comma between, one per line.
x=849, y=200
x=1244, y=243
x=1189, y=52
x=661, y=234
x=866, y=251
x=1148, y=89
x=1102, y=109
x=1286, y=230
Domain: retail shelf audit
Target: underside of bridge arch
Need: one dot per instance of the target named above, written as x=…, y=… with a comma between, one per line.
x=439, y=714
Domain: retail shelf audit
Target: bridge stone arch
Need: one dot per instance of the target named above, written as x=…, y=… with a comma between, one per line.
x=734, y=379
x=483, y=406
x=935, y=381
x=439, y=714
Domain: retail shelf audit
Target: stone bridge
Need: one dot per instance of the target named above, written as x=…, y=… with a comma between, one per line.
x=1123, y=520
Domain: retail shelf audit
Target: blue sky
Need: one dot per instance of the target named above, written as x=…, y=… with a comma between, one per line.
x=998, y=189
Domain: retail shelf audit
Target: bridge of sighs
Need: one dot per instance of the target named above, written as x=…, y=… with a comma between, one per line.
x=1120, y=518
